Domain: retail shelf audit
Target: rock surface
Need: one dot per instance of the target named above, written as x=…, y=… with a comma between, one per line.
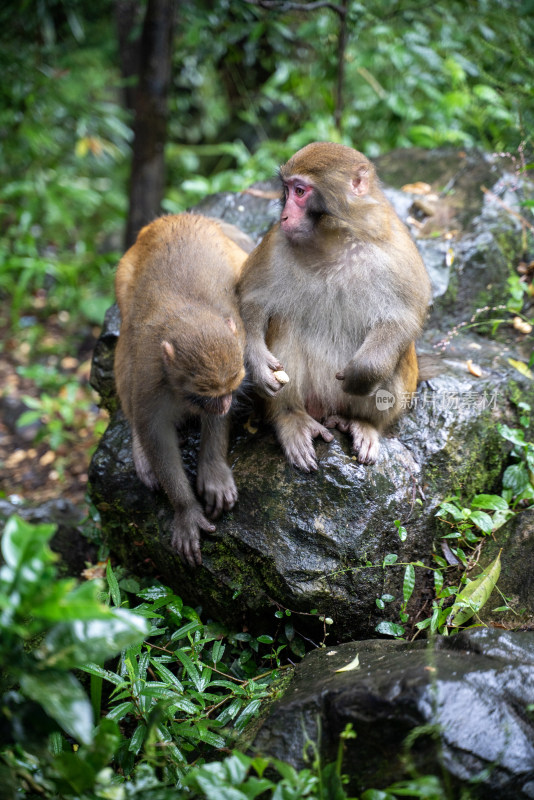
x=317, y=541
x=456, y=705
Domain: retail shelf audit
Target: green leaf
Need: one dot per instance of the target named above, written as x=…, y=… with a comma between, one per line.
x=166, y=675
x=63, y=698
x=136, y=741
x=482, y=521
x=475, y=594
x=191, y=670
x=23, y=544
x=73, y=643
x=119, y=712
x=390, y=629
x=448, y=508
x=210, y=738
x=389, y=560
x=246, y=715
x=100, y=672
x=409, y=582
x=493, y=502
x=516, y=478
x=185, y=629
x=113, y=584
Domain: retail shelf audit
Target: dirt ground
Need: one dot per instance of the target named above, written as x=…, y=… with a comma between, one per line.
x=50, y=458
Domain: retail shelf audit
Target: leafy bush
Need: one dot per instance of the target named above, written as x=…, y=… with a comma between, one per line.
x=49, y=627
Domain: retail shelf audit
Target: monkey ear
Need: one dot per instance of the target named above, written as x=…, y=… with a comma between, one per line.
x=168, y=352
x=231, y=324
x=360, y=182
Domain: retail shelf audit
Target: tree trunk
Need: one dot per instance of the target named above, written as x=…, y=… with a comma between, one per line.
x=147, y=180
x=127, y=20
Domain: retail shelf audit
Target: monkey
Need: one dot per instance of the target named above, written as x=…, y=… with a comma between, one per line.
x=335, y=295
x=180, y=353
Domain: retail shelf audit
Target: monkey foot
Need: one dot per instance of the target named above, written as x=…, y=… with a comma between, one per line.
x=338, y=422
x=365, y=441
x=296, y=433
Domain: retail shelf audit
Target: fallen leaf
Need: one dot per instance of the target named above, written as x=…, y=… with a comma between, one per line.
x=521, y=367
x=47, y=458
x=354, y=664
x=268, y=194
x=96, y=571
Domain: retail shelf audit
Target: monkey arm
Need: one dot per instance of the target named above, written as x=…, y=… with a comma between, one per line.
x=156, y=432
x=377, y=358
x=215, y=482
x=259, y=359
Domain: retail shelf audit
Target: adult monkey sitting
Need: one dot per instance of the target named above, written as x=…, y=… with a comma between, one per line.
x=335, y=294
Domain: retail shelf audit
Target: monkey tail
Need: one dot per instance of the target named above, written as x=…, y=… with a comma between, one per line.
x=428, y=366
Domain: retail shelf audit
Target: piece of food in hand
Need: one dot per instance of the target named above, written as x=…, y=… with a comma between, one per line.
x=281, y=376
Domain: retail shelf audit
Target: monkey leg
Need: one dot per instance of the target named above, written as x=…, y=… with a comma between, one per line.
x=142, y=465
x=296, y=431
x=215, y=482
x=158, y=459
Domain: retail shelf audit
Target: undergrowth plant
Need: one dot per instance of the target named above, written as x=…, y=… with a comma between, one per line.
x=179, y=692
x=459, y=592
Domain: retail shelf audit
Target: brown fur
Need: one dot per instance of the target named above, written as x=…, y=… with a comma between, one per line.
x=180, y=352
x=336, y=293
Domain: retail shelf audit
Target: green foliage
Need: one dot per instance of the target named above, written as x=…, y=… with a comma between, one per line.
x=69, y=622
x=459, y=597
x=252, y=87
x=63, y=140
x=179, y=691
x=518, y=478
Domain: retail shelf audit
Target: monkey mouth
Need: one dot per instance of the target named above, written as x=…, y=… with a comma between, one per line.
x=218, y=406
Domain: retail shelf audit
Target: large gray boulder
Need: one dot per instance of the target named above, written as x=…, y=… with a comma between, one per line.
x=455, y=707
x=316, y=542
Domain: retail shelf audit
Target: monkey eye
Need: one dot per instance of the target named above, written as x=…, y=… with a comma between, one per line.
x=300, y=191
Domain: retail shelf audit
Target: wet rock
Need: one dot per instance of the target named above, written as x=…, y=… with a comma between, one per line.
x=456, y=705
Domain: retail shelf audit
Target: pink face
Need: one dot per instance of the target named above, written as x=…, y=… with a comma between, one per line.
x=295, y=220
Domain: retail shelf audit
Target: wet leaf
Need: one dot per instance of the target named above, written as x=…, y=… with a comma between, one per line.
x=354, y=664
x=409, y=582
x=482, y=521
x=87, y=640
x=390, y=629
x=63, y=698
x=521, y=367
x=474, y=596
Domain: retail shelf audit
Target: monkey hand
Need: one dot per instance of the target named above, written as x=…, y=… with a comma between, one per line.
x=263, y=366
x=360, y=378
x=215, y=484
x=186, y=528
